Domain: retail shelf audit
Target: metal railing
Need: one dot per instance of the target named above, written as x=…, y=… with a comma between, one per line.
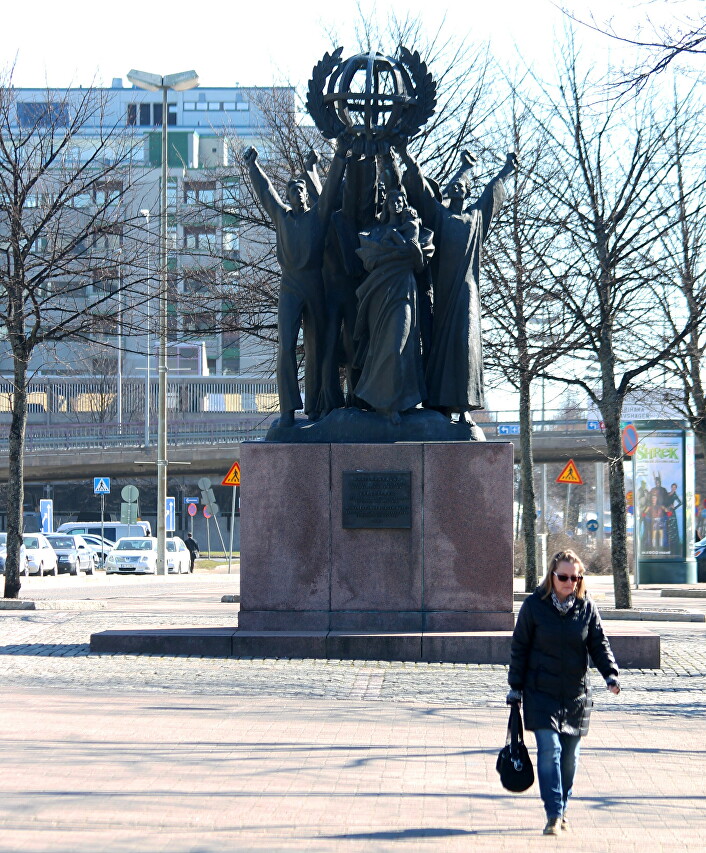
x=243, y=426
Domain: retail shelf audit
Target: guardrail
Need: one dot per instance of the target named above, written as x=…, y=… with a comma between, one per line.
x=110, y=435
x=242, y=426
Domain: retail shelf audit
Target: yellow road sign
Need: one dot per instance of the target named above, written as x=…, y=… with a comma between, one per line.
x=232, y=478
x=570, y=474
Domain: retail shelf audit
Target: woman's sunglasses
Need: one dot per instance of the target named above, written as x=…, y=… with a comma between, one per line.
x=565, y=578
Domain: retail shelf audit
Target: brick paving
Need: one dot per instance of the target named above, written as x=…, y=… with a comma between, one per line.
x=128, y=753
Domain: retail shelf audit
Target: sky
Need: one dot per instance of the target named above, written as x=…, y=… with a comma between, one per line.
x=268, y=43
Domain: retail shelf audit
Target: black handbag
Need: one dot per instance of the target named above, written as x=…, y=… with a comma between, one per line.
x=514, y=763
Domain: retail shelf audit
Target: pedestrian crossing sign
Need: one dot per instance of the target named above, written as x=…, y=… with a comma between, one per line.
x=101, y=485
x=232, y=478
x=570, y=475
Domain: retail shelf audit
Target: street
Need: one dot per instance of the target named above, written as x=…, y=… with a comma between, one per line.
x=124, y=753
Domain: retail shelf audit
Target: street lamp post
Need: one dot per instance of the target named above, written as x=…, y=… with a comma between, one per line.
x=146, y=214
x=155, y=83
x=120, y=341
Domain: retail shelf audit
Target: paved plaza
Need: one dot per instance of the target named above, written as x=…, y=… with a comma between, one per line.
x=124, y=753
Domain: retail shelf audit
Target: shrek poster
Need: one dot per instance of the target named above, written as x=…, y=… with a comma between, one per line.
x=659, y=493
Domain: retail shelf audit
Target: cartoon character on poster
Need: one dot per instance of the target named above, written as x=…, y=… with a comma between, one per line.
x=659, y=474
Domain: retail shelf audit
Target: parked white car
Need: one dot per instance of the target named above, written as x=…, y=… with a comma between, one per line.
x=41, y=557
x=102, y=547
x=3, y=556
x=133, y=555
x=74, y=554
x=178, y=560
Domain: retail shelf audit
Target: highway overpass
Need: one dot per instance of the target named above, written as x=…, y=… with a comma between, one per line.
x=68, y=453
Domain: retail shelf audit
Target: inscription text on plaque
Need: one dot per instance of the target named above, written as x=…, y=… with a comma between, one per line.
x=377, y=499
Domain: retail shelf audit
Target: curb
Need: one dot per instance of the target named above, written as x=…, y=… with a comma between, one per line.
x=652, y=616
x=57, y=604
x=683, y=593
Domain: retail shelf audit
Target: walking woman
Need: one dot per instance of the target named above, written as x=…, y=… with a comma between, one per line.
x=557, y=628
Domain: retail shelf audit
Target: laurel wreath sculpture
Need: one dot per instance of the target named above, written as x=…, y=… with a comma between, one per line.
x=418, y=101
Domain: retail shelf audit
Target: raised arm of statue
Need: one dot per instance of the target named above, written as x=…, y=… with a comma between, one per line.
x=311, y=175
x=493, y=196
x=420, y=193
x=330, y=191
x=262, y=186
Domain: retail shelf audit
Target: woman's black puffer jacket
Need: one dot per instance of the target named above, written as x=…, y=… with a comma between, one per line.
x=549, y=663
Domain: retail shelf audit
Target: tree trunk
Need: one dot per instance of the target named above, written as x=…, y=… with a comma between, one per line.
x=15, y=483
x=529, y=508
x=618, y=511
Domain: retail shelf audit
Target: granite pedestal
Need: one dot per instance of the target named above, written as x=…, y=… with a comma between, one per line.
x=450, y=570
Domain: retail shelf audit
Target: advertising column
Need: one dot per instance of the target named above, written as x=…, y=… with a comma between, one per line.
x=663, y=478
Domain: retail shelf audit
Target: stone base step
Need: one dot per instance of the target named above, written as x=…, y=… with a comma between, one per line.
x=684, y=593
x=634, y=649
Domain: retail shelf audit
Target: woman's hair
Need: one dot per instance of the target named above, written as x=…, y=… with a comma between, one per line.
x=567, y=556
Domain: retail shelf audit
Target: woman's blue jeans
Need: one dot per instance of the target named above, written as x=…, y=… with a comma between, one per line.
x=557, y=759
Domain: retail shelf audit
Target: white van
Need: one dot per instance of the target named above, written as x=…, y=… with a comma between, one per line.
x=112, y=530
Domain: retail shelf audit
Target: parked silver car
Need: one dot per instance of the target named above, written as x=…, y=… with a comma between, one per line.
x=73, y=553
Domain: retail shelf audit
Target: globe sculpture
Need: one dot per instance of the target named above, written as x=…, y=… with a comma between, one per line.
x=371, y=97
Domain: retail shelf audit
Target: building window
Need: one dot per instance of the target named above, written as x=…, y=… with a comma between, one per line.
x=104, y=324
x=214, y=106
x=42, y=114
x=189, y=106
x=108, y=194
x=106, y=281
x=199, y=238
x=39, y=246
x=229, y=105
x=82, y=199
x=194, y=284
x=242, y=105
x=231, y=241
x=201, y=322
x=145, y=115
x=203, y=192
x=132, y=114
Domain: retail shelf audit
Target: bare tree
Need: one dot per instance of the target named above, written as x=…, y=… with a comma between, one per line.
x=680, y=288
x=609, y=164
x=528, y=328
x=658, y=45
x=63, y=219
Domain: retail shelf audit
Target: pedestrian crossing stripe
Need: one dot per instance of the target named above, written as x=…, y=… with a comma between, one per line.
x=101, y=486
x=570, y=474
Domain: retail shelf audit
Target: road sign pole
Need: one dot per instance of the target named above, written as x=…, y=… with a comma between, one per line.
x=220, y=535
x=232, y=527
x=102, y=517
x=208, y=536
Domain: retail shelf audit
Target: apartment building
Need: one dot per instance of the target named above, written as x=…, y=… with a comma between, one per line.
x=205, y=125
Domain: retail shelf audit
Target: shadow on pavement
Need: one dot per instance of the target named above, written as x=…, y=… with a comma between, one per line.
x=47, y=649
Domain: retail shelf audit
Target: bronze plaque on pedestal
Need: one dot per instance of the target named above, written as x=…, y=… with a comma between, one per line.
x=377, y=499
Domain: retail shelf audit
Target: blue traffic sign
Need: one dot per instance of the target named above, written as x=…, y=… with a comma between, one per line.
x=508, y=429
x=101, y=485
x=46, y=512
x=170, y=515
x=592, y=525
x=191, y=500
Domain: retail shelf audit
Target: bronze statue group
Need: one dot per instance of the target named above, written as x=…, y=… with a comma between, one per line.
x=381, y=270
